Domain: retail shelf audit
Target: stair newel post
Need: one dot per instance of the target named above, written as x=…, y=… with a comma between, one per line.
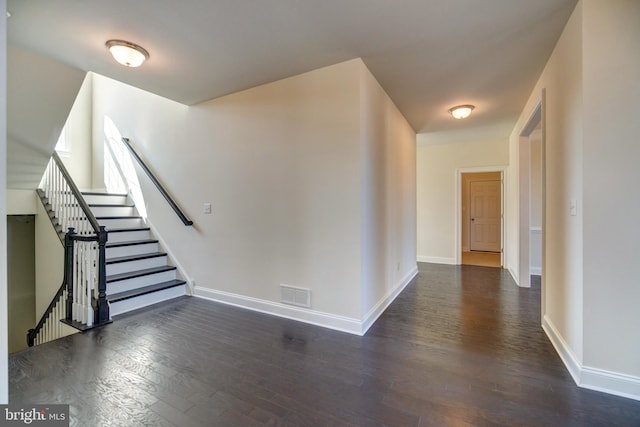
x=68, y=271
x=102, y=308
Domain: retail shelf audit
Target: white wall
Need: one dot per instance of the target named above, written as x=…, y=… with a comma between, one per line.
x=611, y=208
x=78, y=160
x=436, y=189
x=562, y=78
x=281, y=168
x=4, y=373
x=590, y=290
x=281, y=165
x=155, y=125
x=38, y=104
x=49, y=261
x=388, y=188
x=21, y=202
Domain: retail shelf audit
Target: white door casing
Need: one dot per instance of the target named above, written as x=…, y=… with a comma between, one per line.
x=459, y=172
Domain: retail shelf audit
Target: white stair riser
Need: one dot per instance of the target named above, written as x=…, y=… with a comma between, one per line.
x=139, y=282
x=121, y=223
x=135, y=303
x=128, y=236
x=129, y=266
x=119, y=251
x=105, y=199
x=113, y=210
x=145, y=300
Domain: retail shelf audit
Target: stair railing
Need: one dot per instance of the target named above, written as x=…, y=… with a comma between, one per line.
x=85, y=271
x=81, y=300
x=50, y=325
x=65, y=199
x=186, y=221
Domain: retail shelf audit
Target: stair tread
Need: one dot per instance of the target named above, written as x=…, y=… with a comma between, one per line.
x=119, y=217
x=100, y=193
x=145, y=290
x=139, y=273
x=123, y=230
x=131, y=243
x=111, y=205
x=135, y=257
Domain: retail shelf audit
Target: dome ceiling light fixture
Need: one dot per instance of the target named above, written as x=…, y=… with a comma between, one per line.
x=461, y=111
x=127, y=53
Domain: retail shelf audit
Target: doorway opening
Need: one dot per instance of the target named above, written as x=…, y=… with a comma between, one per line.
x=531, y=182
x=21, y=279
x=480, y=224
x=482, y=219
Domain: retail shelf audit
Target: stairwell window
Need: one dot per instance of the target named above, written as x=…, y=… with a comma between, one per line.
x=63, y=146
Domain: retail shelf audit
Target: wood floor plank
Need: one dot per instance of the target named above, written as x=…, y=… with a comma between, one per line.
x=460, y=346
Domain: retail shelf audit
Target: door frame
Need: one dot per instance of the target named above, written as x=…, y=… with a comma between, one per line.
x=536, y=116
x=458, y=207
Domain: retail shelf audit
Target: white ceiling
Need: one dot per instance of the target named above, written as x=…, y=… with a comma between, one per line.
x=427, y=54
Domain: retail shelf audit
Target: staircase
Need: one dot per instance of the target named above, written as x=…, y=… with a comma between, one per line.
x=138, y=273
x=112, y=263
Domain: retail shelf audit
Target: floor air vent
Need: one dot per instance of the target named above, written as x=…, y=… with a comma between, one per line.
x=295, y=296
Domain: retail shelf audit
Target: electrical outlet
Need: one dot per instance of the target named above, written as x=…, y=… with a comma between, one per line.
x=206, y=208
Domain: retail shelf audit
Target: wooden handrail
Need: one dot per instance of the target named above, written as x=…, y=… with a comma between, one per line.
x=33, y=333
x=76, y=192
x=186, y=221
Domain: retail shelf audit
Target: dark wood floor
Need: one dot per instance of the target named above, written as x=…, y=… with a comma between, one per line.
x=461, y=346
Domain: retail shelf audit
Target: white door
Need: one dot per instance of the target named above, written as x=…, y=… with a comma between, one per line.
x=485, y=211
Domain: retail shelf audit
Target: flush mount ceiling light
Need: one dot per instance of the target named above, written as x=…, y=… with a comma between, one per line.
x=127, y=53
x=461, y=111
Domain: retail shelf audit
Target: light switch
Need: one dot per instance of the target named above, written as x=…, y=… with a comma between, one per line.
x=206, y=208
x=573, y=207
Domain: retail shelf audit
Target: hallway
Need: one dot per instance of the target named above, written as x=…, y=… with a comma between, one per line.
x=460, y=346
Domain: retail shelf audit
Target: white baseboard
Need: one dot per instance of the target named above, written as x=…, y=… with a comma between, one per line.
x=611, y=382
x=514, y=275
x=536, y=271
x=574, y=366
x=313, y=317
x=318, y=318
x=381, y=306
x=592, y=378
x=437, y=260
